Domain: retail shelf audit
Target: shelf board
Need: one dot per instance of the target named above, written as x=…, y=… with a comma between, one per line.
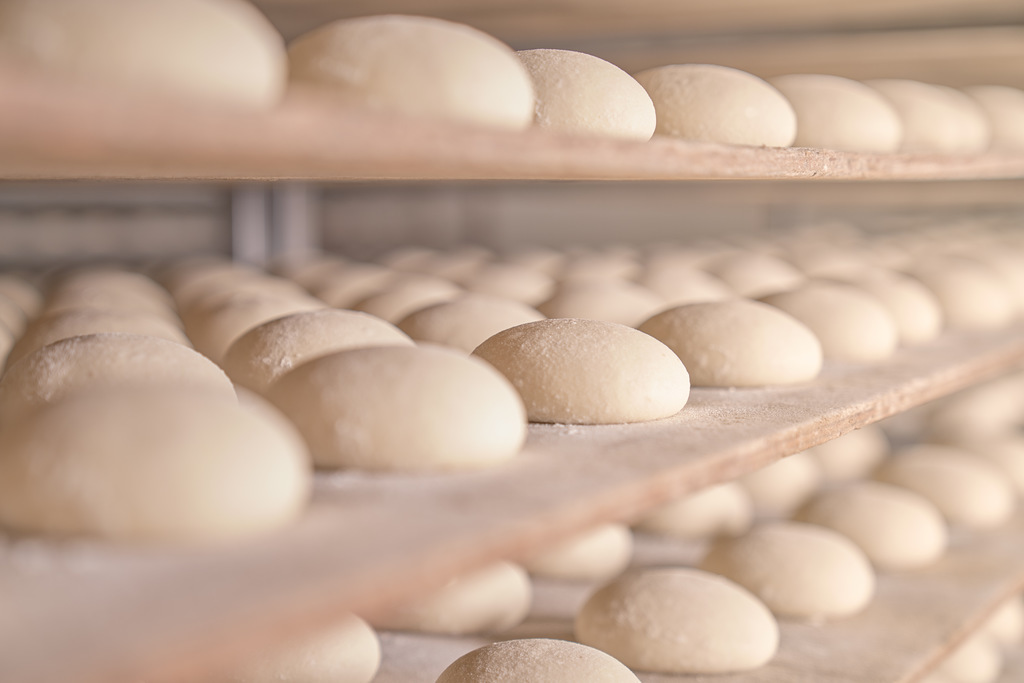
x=370, y=541
x=57, y=131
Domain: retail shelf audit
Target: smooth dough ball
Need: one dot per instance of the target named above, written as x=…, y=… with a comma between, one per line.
x=582, y=94
x=537, y=660
x=224, y=51
x=1004, y=107
x=967, y=490
x=678, y=285
x=467, y=321
x=753, y=275
x=489, y=600
x=396, y=302
x=417, y=65
x=913, y=307
x=74, y=468
x=896, y=528
x=784, y=485
x=260, y=356
x=588, y=371
x=510, y=281
x=677, y=620
x=799, y=570
x=971, y=297
x=614, y=301
x=851, y=325
x=402, y=408
x=722, y=510
x=1006, y=624
x=936, y=118
x=348, y=652
x=738, y=343
x=851, y=456
x=976, y=660
x=712, y=103
x=595, y=555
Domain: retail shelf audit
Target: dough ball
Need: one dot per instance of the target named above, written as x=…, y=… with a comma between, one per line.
x=224, y=51
x=467, y=321
x=348, y=287
x=781, y=487
x=678, y=285
x=11, y=315
x=614, y=301
x=510, y=281
x=1004, y=107
x=260, y=356
x=588, y=371
x=1006, y=453
x=967, y=490
x=490, y=600
x=896, y=528
x=403, y=409
x=738, y=343
x=537, y=660
x=710, y=103
x=1007, y=266
x=837, y=113
x=348, y=652
x=853, y=455
x=976, y=660
x=455, y=264
x=1006, y=624
x=799, y=570
x=543, y=260
x=595, y=555
x=24, y=294
x=73, y=467
x=581, y=94
x=913, y=307
x=755, y=275
x=971, y=297
x=722, y=510
x=417, y=65
x=851, y=325
x=936, y=118
x=397, y=302
x=677, y=620
x=209, y=298
x=113, y=286
x=985, y=412
x=599, y=265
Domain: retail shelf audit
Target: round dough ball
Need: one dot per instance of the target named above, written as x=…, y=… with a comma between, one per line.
x=976, y=660
x=678, y=285
x=467, y=321
x=348, y=652
x=595, y=555
x=971, y=297
x=837, y=113
x=851, y=325
x=614, y=301
x=417, y=65
x=712, y=103
x=936, y=118
x=205, y=300
x=897, y=529
x=510, y=281
x=754, y=275
x=913, y=307
x=73, y=467
x=113, y=286
x=489, y=600
x=677, y=620
x=225, y=51
x=395, y=303
x=1004, y=107
x=347, y=287
x=1006, y=624
x=738, y=343
x=853, y=455
x=781, y=487
x=722, y=510
x=799, y=570
x=537, y=660
x=266, y=352
x=578, y=93
x=967, y=490
x=588, y=371
x=402, y=408
x=25, y=295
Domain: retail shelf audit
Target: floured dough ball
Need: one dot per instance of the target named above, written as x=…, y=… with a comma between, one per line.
x=677, y=620
x=976, y=660
x=588, y=371
x=1004, y=107
x=967, y=490
x=781, y=487
x=913, y=307
x=678, y=285
x=896, y=528
x=712, y=103
x=936, y=118
x=799, y=570
x=511, y=281
x=537, y=660
x=837, y=113
x=971, y=297
x=722, y=510
x=467, y=321
x=851, y=456
x=581, y=94
x=260, y=356
x=614, y=301
x=223, y=51
x=402, y=408
x=489, y=600
x=595, y=555
x=753, y=275
x=26, y=295
x=1006, y=624
x=738, y=343
x=401, y=299
x=73, y=467
x=348, y=652
x=417, y=65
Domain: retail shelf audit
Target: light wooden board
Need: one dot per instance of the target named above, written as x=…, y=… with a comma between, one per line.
x=369, y=541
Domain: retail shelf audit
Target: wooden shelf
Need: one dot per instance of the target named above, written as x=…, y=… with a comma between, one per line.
x=371, y=541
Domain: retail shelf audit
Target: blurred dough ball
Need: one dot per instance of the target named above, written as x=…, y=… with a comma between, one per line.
x=838, y=113
x=971, y=297
x=981, y=413
x=466, y=322
x=120, y=286
x=1005, y=452
x=490, y=600
x=595, y=555
x=913, y=307
x=1006, y=624
x=6, y=344
x=404, y=297
x=722, y=510
x=781, y=487
x=399, y=408
x=260, y=356
x=598, y=265
x=1007, y=265
x=755, y=275
x=352, y=284
x=678, y=285
x=417, y=65
x=581, y=94
x=455, y=264
x=537, y=660
x=976, y=660
x=936, y=118
x=11, y=315
x=24, y=294
x=614, y=301
x=710, y=103
x=853, y=455
x=223, y=51
x=200, y=300
x=1005, y=109
x=540, y=259
x=510, y=281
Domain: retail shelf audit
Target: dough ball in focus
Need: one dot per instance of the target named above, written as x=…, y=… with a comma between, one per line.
x=536, y=660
